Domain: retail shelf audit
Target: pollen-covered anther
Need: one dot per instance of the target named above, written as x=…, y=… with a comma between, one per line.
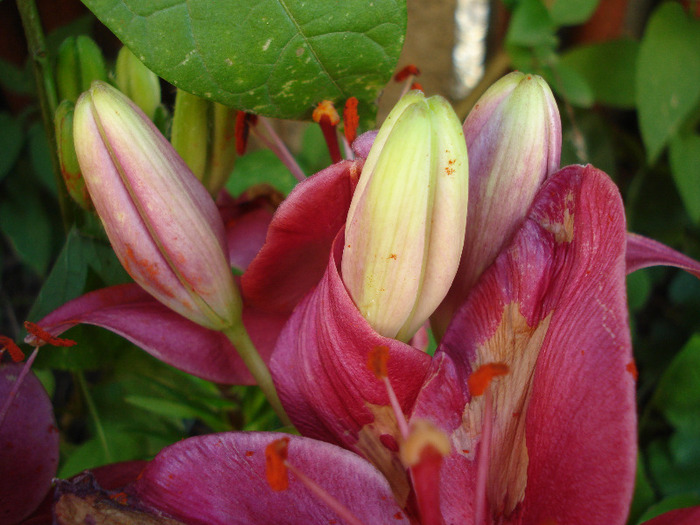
x=276, y=470
x=480, y=379
x=8, y=344
x=327, y=117
x=377, y=360
x=39, y=337
x=424, y=442
x=350, y=120
x=406, y=72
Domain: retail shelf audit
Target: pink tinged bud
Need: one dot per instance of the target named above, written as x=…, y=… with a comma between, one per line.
x=513, y=135
x=405, y=228
x=161, y=221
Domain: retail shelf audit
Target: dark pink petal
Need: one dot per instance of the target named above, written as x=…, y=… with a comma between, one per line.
x=320, y=368
x=131, y=312
x=556, y=295
x=28, y=445
x=643, y=252
x=689, y=516
x=221, y=479
x=299, y=239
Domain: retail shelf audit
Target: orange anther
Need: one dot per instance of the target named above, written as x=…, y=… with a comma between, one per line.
x=417, y=86
x=275, y=464
x=45, y=337
x=408, y=71
x=377, y=359
x=480, y=379
x=8, y=344
x=350, y=119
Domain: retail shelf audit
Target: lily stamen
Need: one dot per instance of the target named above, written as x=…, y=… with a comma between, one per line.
x=408, y=75
x=327, y=117
x=376, y=362
x=277, y=469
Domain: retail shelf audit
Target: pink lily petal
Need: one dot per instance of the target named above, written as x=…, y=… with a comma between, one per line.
x=552, y=307
x=131, y=312
x=300, y=236
x=320, y=369
x=221, y=479
x=28, y=445
x=689, y=516
x=643, y=252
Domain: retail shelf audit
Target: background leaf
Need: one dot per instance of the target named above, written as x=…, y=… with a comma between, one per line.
x=569, y=12
x=668, y=68
x=272, y=57
x=685, y=159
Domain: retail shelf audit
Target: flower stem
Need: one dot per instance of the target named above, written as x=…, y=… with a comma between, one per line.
x=46, y=91
x=244, y=346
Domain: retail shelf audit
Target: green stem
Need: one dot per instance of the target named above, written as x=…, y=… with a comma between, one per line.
x=95, y=416
x=46, y=91
x=246, y=349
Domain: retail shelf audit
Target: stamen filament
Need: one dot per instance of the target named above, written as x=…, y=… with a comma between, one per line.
x=483, y=461
x=398, y=413
x=18, y=383
x=272, y=141
x=323, y=495
x=327, y=117
x=408, y=75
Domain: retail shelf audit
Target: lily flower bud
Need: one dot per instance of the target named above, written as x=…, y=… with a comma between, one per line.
x=203, y=133
x=513, y=135
x=70, y=169
x=79, y=62
x=405, y=227
x=162, y=223
x=137, y=82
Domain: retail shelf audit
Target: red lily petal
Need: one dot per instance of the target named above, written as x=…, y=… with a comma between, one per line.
x=300, y=235
x=131, y=312
x=220, y=479
x=29, y=446
x=643, y=252
x=565, y=272
x=320, y=369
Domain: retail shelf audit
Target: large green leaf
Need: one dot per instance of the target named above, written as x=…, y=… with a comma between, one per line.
x=685, y=159
x=570, y=12
x=668, y=75
x=271, y=57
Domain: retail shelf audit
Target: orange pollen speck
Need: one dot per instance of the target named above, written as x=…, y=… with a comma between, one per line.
x=350, y=119
x=275, y=464
x=326, y=109
x=403, y=74
x=377, y=359
x=480, y=379
x=46, y=337
x=393, y=256
x=8, y=344
x=417, y=86
x=632, y=369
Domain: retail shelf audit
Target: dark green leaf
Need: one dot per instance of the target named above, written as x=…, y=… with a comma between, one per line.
x=531, y=25
x=685, y=160
x=178, y=410
x=609, y=68
x=668, y=73
x=674, y=502
x=638, y=290
x=260, y=167
x=569, y=84
x=41, y=157
x=673, y=475
x=643, y=493
x=11, y=140
x=16, y=79
x=571, y=12
x=268, y=57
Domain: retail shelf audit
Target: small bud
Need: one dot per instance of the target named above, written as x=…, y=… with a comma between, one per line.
x=162, y=223
x=79, y=62
x=405, y=226
x=203, y=133
x=138, y=82
x=513, y=135
x=70, y=169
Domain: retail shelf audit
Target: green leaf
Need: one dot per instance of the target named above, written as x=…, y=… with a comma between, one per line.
x=178, y=410
x=609, y=68
x=678, y=393
x=668, y=73
x=643, y=492
x=41, y=157
x=260, y=167
x=271, y=57
x=572, y=12
x=530, y=25
x=672, y=473
x=11, y=141
x=674, y=502
x=638, y=290
x=570, y=84
x=685, y=159
x=16, y=79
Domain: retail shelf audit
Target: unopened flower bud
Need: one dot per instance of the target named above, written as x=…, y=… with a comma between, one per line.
x=203, y=133
x=70, y=169
x=137, y=82
x=405, y=227
x=162, y=223
x=513, y=135
x=79, y=62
